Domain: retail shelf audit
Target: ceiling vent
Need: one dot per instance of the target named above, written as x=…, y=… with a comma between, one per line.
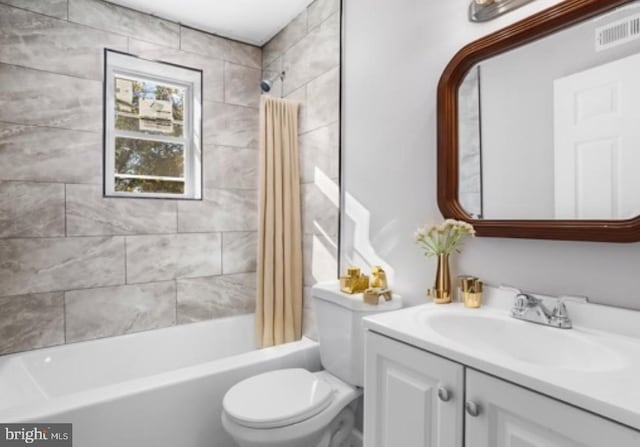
x=618, y=33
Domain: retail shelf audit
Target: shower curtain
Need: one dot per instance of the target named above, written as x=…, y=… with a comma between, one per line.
x=279, y=295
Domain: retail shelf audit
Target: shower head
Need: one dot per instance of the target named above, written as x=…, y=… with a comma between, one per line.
x=267, y=84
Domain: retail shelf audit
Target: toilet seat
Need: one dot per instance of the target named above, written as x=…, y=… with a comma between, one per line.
x=308, y=432
x=277, y=398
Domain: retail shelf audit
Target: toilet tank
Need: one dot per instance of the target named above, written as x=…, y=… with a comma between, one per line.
x=340, y=329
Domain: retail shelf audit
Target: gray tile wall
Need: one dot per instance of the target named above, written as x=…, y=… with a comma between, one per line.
x=308, y=50
x=470, y=187
x=74, y=265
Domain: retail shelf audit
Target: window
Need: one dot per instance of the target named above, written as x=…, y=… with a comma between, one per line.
x=153, y=115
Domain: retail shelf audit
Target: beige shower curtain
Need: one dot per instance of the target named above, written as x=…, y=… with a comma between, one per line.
x=279, y=297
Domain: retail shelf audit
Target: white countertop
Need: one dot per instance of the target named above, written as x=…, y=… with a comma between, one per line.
x=612, y=391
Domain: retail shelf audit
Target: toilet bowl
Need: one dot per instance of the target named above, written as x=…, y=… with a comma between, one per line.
x=290, y=408
x=299, y=408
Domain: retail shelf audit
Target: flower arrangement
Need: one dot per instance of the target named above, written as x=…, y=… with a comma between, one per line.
x=443, y=239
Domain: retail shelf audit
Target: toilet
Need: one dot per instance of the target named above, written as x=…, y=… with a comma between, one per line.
x=298, y=408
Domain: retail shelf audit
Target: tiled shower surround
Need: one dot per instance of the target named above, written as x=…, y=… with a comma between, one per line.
x=77, y=266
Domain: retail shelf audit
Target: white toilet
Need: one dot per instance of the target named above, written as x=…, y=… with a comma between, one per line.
x=298, y=408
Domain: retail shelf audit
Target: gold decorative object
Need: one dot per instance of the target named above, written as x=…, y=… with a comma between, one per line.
x=354, y=282
x=378, y=278
x=363, y=284
x=442, y=240
x=373, y=294
x=471, y=291
x=441, y=291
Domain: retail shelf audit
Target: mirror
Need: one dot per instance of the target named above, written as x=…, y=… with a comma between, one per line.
x=550, y=130
x=546, y=123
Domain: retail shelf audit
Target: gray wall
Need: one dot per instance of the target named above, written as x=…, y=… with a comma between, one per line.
x=394, y=54
x=308, y=50
x=518, y=155
x=74, y=265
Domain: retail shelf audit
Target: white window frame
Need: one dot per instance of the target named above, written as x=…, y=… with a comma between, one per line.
x=119, y=64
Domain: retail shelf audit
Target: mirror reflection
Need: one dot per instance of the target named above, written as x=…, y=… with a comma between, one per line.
x=551, y=130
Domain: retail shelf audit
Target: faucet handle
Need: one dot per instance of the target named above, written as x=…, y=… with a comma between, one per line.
x=524, y=299
x=560, y=309
x=522, y=302
x=560, y=316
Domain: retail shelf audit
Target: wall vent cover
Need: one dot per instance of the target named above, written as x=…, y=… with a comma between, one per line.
x=618, y=33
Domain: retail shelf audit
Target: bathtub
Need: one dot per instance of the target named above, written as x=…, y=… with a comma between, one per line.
x=161, y=388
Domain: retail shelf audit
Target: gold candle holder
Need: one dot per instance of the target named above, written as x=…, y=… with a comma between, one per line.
x=471, y=291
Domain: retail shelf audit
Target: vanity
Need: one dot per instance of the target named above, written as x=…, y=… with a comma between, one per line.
x=445, y=375
x=538, y=138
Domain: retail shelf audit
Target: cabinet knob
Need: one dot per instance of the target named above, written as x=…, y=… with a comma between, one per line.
x=473, y=409
x=443, y=394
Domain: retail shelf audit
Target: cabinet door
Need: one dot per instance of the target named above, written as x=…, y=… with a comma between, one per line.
x=411, y=398
x=511, y=416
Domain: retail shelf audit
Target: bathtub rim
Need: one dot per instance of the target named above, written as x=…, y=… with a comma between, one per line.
x=38, y=410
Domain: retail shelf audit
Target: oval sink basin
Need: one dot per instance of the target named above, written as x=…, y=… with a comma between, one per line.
x=524, y=341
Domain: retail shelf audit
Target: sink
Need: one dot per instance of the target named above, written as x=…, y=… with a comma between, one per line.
x=523, y=341
x=594, y=366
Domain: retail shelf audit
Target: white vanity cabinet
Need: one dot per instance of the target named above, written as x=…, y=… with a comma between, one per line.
x=506, y=415
x=412, y=398
x=417, y=399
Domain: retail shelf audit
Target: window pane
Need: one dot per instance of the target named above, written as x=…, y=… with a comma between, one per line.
x=145, y=186
x=144, y=157
x=149, y=107
x=133, y=124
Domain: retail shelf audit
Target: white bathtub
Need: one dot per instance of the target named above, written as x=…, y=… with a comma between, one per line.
x=160, y=388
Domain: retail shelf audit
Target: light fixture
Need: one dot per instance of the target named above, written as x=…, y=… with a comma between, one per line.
x=485, y=10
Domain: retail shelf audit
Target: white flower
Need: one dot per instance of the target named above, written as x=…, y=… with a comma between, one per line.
x=444, y=238
x=452, y=223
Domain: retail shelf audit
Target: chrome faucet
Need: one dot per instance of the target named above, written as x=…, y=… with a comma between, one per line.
x=530, y=308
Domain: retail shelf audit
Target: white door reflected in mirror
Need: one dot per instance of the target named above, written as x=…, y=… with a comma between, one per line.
x=597, y=142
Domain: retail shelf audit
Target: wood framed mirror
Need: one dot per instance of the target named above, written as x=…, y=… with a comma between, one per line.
x=539, y=126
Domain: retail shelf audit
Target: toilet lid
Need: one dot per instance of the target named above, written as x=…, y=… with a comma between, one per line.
x=277, y=398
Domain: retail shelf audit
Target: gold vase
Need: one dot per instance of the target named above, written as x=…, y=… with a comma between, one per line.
x=441, y=292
